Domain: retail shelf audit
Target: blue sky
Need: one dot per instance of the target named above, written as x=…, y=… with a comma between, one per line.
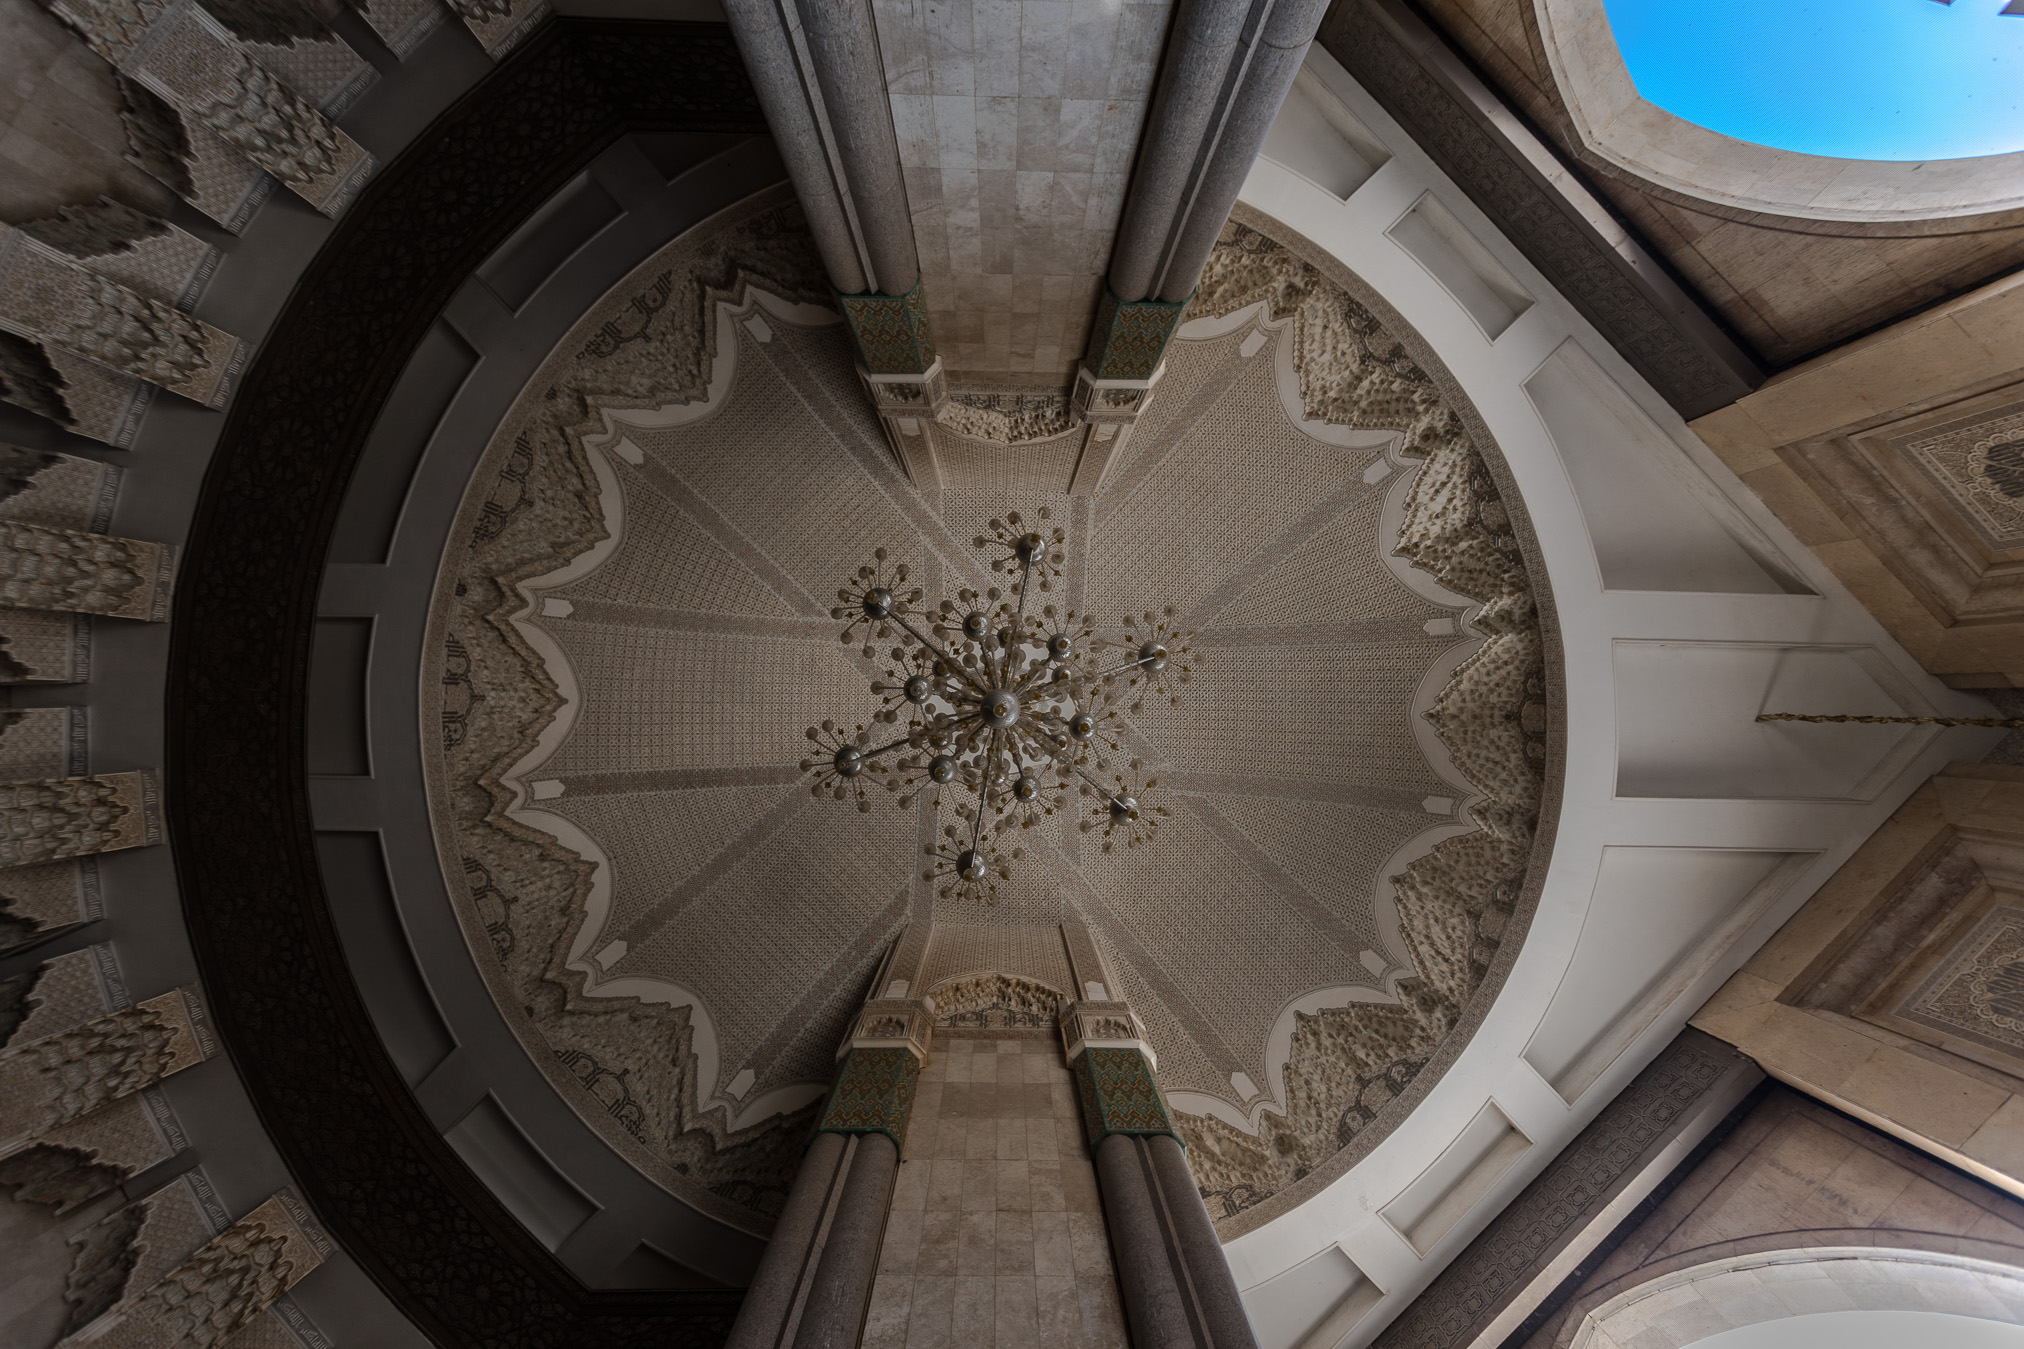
x=1856, y=79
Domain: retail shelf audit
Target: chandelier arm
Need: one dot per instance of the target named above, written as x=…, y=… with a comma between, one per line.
x=1025, y=577
x=871, y=754
x=1131, y=664
x=1078, y=769
x=946, y=658
x=983, y=793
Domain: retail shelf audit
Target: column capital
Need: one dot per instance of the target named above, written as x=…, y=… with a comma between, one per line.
x=874, y=1094
x=1120, y=1096
x=1098, y=1024
x=894, y=1023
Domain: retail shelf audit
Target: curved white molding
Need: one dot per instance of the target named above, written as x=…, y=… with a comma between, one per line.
x=1689, y=1305
x=1619, y=124
x=1592, y=819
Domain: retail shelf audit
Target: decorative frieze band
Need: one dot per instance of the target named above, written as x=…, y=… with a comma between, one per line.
x=73, y=572
x=874, y=1094
x=72, y=817
x=52, y=299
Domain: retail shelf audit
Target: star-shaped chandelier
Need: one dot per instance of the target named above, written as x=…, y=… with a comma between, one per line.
x=1006, y=709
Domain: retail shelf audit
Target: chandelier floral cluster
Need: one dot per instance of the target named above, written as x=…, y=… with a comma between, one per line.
x=1011, y=713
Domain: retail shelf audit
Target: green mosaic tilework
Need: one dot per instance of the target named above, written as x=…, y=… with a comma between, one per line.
x=891, y=331
x=874, y=1094
x=1129, y=337
x=1119, y=1095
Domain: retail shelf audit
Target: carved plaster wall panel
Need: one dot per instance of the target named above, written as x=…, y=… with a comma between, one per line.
x=42, y=742
x=402, y=24
x=1939, y=496
x=221, y=1287
x=77, y=394
x=148, y=256
x=36, y=901
x=60, y=491
x=58, y=1078
x=631, y=631
x=44, y=647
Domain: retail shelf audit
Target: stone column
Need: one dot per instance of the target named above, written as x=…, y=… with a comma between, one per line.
x=815, y=1281
x=1228, y=66
x=816, y=68
x=1177, y=1287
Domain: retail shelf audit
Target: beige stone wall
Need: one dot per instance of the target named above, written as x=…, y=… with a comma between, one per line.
x=1795, y=1175
x=61, y=141
x=1959, y=1099
x=1812, y=443
x=996, y=1235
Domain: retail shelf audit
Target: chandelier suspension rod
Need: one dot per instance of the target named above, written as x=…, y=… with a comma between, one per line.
x=2003, y=723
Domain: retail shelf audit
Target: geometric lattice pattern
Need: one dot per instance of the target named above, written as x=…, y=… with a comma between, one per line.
x=1119, y=1095
x=874, y=1094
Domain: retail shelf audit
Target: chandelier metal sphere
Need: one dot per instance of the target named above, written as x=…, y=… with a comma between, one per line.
x=1007, y=708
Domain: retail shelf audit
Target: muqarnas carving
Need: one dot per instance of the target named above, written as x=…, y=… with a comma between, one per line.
x=220, y=1288
x=79, y=391
x=52, y=1081
x=51, y=299
x=209, y=88
x=73, y=572
x=499, y=24
x=72, y=817
x=1346, y=1065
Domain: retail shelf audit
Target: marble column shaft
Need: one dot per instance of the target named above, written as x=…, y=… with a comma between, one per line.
x=1227, y=70
x=843, y=48
x=815, y=1280
x=761, y=30
x=825, y=99
x=1177, y=1288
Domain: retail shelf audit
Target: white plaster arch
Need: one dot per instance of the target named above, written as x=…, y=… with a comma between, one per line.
x=1690, y=1305
x=1492, y=1121
x=1619, y=124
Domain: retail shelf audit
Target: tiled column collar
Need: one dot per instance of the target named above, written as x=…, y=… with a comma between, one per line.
x=874, y=1094
x=891, y=331
x=1120, y=1096
x=1130, y=337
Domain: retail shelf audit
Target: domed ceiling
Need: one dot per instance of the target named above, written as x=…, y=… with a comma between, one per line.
x=631, y=631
